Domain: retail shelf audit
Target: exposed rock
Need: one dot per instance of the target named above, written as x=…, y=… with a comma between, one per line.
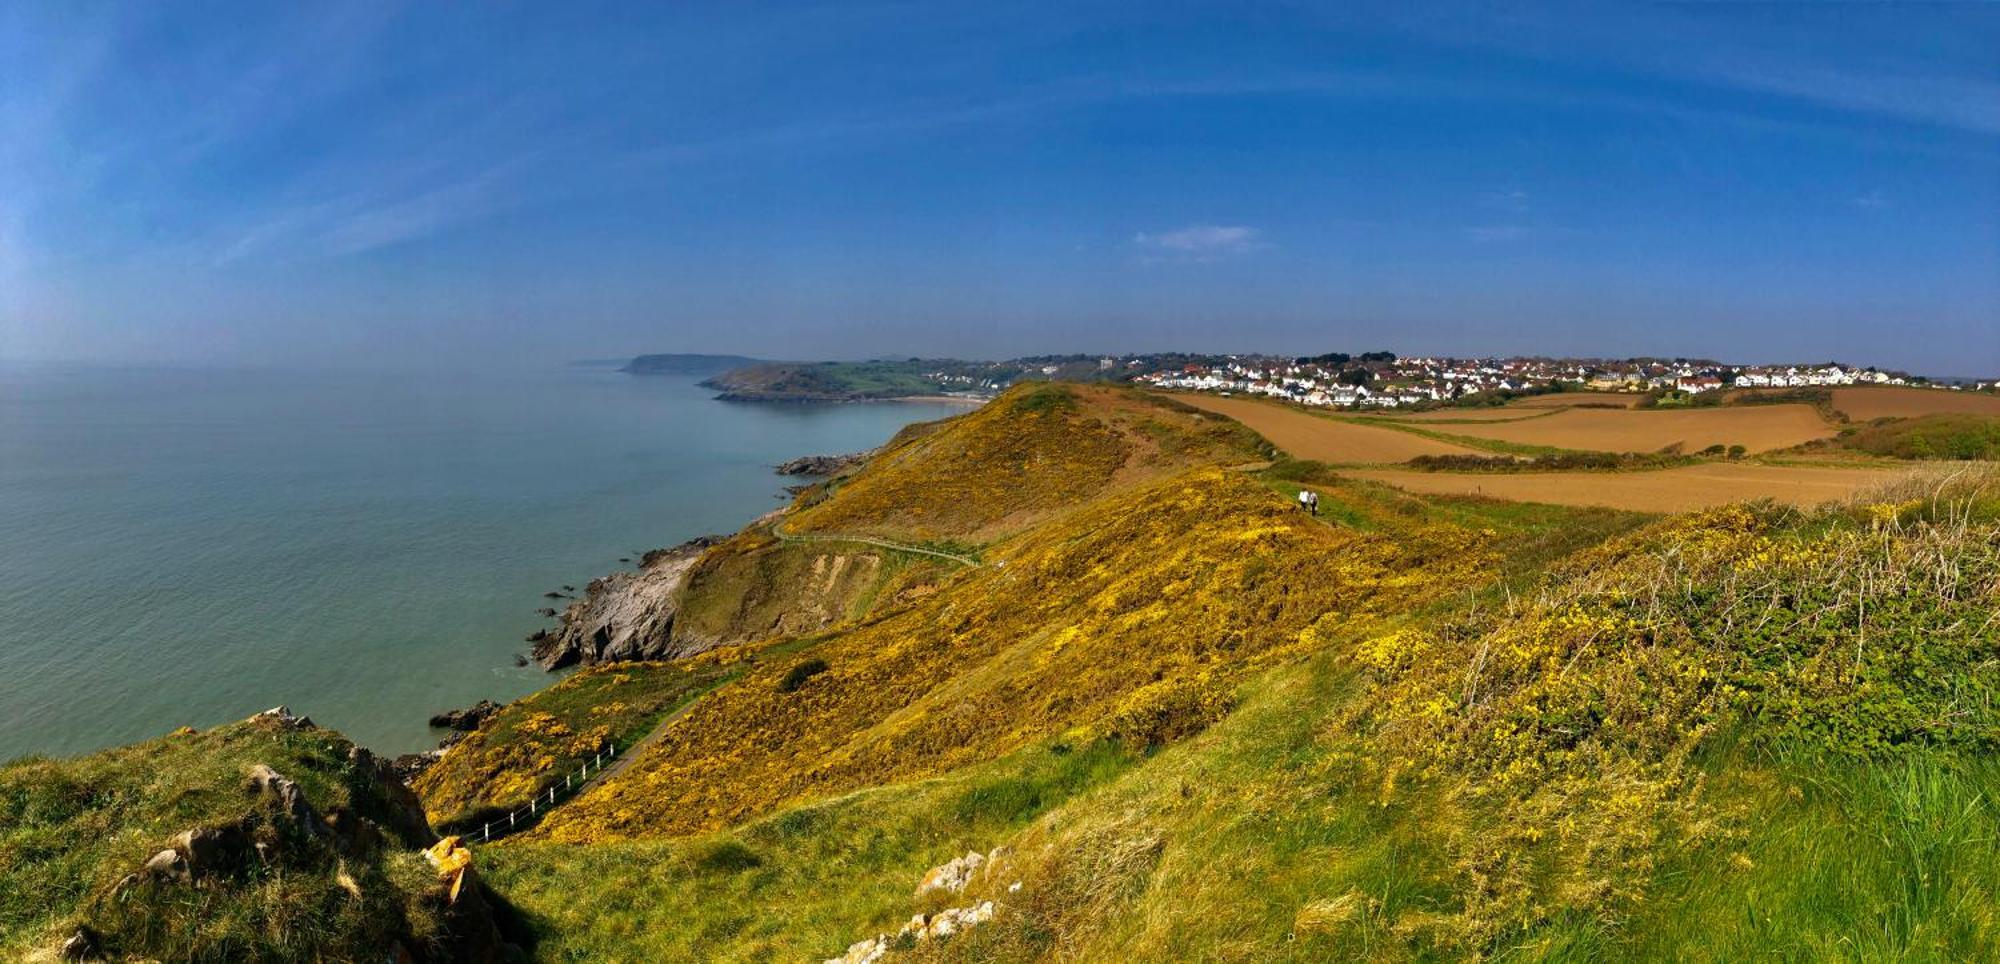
x=955, y=875
x=409, y=765
x=469, y=718
x=211, y=850
x=282, y=716
x=405, y=814
x=520, y=660
x=81, y=946
x=551, y=613
x=168, y=864
x=288, y=799
x=625, y=615
x=822, y=464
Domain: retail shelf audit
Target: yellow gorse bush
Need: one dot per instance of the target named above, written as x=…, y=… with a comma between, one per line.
x=1131, y=616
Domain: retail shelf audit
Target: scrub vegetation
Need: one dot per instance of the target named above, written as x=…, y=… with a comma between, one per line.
x=536, y=741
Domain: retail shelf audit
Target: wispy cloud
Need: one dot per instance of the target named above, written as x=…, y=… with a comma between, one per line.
x=1496, y=233
x=1200, y=242
x=1870, y=200
x=1514, y=200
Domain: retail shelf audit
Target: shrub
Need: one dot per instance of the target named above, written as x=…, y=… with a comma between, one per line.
x=799, y=673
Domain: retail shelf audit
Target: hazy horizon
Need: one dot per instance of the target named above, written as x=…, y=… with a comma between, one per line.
x=408, y=186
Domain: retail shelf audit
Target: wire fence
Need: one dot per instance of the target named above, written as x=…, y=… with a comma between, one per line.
x=542, y=802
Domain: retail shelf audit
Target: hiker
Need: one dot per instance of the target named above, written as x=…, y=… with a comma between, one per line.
x=1309, y=501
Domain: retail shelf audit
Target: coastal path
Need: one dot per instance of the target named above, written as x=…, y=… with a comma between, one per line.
x=778, y=530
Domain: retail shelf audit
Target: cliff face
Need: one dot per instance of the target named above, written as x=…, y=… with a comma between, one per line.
x=716, y=592
x=625, y=615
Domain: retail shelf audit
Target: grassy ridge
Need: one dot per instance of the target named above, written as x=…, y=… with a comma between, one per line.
x=1036, y=451
x=71, y=829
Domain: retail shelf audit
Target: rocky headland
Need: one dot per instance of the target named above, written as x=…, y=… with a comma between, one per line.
x=626, y=615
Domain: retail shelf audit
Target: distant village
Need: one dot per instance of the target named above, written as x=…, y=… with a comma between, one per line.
x=1382, y=380
x=1385, y=380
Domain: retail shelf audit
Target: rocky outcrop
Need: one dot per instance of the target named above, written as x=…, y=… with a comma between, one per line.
x=822, y=464
x=625, y=615
x=467, y=719
x=953, y=877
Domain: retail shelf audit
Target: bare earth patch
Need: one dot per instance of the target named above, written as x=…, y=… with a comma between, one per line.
x=1306, y=436
x=1891, y=401
x=1666, y=490
x=1759, y=428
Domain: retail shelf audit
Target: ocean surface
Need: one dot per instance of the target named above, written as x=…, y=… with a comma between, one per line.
x=188, y=547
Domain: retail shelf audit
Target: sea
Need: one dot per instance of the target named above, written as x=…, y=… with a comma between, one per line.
x=188, y=546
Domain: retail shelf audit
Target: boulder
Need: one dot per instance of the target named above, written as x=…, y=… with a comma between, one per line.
x=471, y=717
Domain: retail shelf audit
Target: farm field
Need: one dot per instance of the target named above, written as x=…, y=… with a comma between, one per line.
x=1864, y=404
x=1574, y=399
x=1666, y=490
x=1307, y=436
x=1759, y=428
x=1507, y=413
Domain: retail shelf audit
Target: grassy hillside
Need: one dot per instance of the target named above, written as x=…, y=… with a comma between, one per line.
x=1132, y=615
x=1037, y=450
x=331, y=872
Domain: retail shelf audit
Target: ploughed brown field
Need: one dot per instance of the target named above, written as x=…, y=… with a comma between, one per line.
x=1306, y=436
x=1867, y=403
x=1574, y=399
x=1508, y=413
x=1759, y=428
x=1665, y=490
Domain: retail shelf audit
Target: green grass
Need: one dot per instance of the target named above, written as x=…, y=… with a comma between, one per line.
x=1954, y=437
x=801, y=884
x=71, y=829
x=1868, y=861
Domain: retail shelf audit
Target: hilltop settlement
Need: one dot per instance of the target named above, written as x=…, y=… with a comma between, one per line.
x=1377, y=379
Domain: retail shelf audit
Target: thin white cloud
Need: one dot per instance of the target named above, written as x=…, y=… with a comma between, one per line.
x=1870, y=200
x=1495, y=233
x=1201, y=242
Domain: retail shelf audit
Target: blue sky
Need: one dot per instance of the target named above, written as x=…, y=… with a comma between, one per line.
x=421, y=184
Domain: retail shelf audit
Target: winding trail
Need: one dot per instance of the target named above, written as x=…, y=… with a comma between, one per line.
x=778, y=530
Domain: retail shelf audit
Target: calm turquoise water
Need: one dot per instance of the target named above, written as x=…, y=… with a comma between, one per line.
x=190, y=547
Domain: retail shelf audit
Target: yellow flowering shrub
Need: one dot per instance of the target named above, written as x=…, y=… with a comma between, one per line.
x=539, y=738
x=1037, y=450
x=1132, y=614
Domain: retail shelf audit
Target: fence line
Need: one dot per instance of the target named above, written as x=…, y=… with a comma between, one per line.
x=542, y=802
